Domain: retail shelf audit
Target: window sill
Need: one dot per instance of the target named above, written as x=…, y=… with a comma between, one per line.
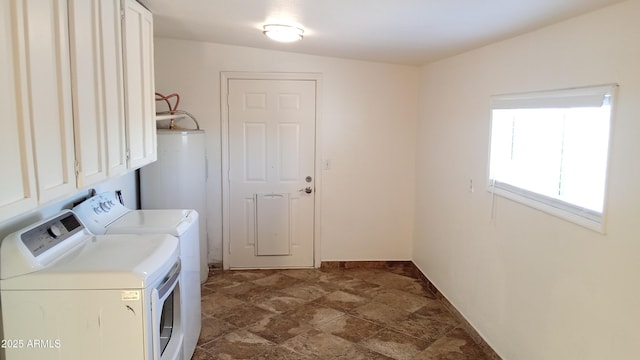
x=551, y=207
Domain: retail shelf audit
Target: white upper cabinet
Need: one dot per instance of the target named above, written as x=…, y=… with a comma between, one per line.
x=17, y=185
x=98, y=95
x=139, y=84
x=47, y=82
x=77, y=95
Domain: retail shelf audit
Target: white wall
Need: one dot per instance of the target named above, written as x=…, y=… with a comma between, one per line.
x=536, y=287
x=368, y=120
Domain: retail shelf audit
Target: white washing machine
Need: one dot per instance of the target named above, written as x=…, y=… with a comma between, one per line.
x=67, y=294
x=104, y=214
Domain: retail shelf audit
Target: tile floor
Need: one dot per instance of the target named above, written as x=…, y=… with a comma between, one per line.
x=327, y=314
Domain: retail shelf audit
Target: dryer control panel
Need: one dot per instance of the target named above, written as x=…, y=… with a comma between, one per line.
x=47, y=235
x=42, y=243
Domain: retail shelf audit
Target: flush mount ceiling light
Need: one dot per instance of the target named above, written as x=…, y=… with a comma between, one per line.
x=283, y=33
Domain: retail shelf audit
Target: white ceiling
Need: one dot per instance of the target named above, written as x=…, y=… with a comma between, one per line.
x=411, y=32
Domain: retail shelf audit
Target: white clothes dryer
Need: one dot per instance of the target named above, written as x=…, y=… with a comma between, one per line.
x=104, y=214
x=67, y=294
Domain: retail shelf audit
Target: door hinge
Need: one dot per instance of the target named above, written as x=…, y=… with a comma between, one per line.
x=127, y=154
x=76, y=166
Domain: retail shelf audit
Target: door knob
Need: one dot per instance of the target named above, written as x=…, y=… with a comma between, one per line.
x=307, y=190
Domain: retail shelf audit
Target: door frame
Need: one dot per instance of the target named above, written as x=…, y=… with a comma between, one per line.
x=225, y=77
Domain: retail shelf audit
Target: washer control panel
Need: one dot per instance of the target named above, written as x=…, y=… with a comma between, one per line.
x=99, y=211
x=51, y=233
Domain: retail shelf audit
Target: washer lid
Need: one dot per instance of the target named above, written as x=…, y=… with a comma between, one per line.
x=173, y=222
x=105, y=262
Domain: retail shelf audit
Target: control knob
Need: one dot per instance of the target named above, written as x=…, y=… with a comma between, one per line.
x=54, y=231
x=105, y=207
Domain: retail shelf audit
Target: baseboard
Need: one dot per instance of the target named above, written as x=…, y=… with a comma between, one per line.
x=213, y=267
x=408, y=268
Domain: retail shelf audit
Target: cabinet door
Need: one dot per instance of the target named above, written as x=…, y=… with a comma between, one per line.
x=88, y=97
x=94, y=27
x=17, y=185
x=48, y=87
x=113, y=86
x=139, y=84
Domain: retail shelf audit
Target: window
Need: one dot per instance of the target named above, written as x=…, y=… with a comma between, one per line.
x=549, y=150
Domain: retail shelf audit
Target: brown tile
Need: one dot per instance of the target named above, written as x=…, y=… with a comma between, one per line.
x=239, y=344
x=456, y=345
x=277, y=281
x=364, y=274
x=278, y=302
x=350, y=328
x=400, y=299
x=253, y=293
x=239, y=289
x=419, y=287
x=307, y=291
x=248, y=275
x=354, y=285
x=213, y=328
x=219, y=283
x=341, y=300
x=205, y=291
x=215, y=304
x=395, y=345
x=302, y=274
x=327, y=346
x=229, y=277
x=245, y=315
x=201, y=354
x=333, y=277
x=393, y=281
x=380, y=313
x=435, y=311
x=419, y=327
x=282, y=353
x=356, y=310
x=278, y=328
x=313, y=314
x=213, y=279
x=325, y=282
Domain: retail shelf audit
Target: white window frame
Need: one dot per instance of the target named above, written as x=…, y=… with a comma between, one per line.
x=565, y=98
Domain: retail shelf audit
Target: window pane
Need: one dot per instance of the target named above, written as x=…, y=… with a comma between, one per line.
x=552, y=153
x=537, y=150
x=585, y=157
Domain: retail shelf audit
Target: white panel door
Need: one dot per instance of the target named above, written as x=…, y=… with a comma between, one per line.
x=139, y=84
x=48, y=84
x=17, y=185
x=271, y=173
